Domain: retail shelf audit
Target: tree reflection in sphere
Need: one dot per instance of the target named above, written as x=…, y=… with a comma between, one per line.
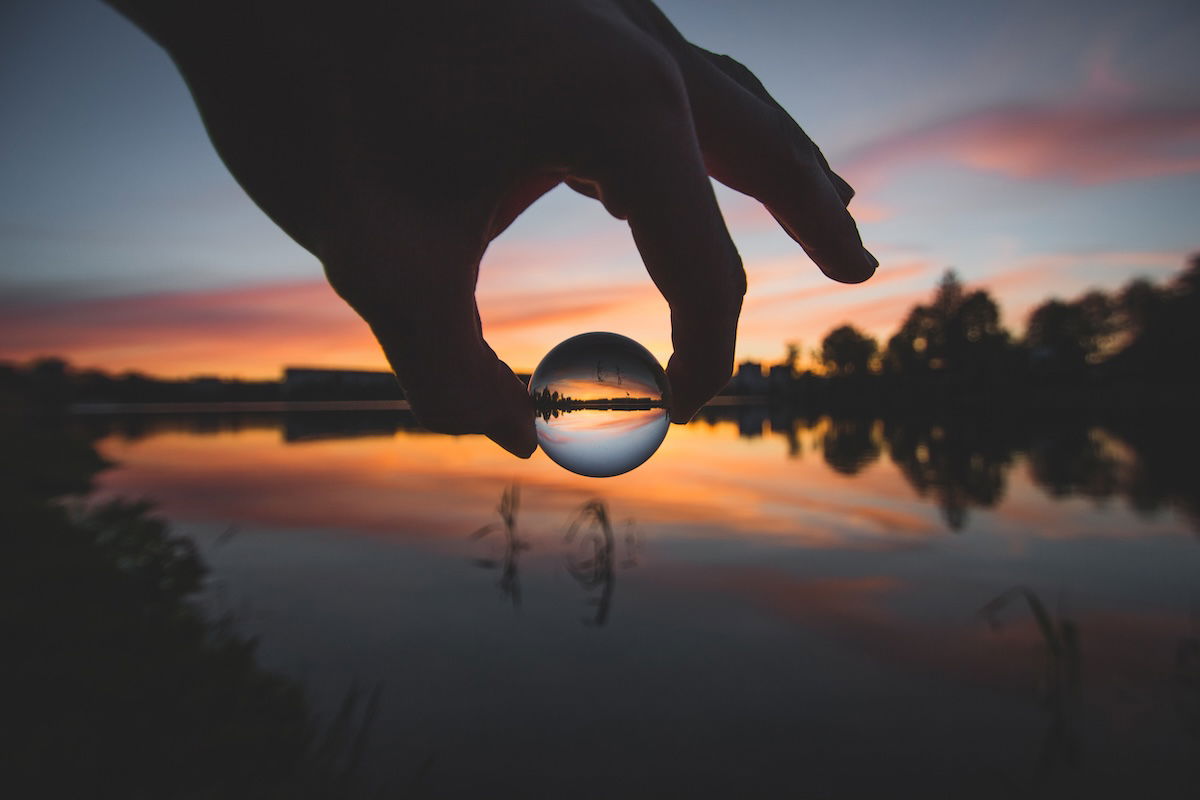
x=601, y=402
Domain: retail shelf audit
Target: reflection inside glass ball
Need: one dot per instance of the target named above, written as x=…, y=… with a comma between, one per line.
x=601, y=401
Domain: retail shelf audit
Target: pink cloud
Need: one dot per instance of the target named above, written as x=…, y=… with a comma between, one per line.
x=1030, y=280
x=893, y=273
x=1080, y=145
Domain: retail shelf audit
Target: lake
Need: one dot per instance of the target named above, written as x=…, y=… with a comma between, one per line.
x=773, y=605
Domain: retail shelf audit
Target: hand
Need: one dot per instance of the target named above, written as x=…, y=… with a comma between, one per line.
x=395, y=140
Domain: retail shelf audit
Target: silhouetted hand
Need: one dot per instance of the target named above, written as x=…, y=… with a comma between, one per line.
x=395, y=140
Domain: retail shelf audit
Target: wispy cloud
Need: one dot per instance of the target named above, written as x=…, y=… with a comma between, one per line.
x=1080, y=145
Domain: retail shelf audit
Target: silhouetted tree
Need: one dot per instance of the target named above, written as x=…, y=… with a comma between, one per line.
x=1066, y=338
x=908, y=351
x=793, y=357
x=957, y=332
x=1162, y=328
x=847, y=351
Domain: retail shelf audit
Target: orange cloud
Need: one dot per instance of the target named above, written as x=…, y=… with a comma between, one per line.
x=1081, y=145
x=536, y=308
x=250, y=331
x=253, y=331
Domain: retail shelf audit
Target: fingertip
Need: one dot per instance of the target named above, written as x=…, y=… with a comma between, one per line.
x=856, y=268
x=514, y=429
x=867, y=268
x=516, y=435
x=517, y=444
x=691, y=390
x=682, y=417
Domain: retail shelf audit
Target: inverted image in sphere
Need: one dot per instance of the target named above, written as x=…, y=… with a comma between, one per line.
x=601, y=401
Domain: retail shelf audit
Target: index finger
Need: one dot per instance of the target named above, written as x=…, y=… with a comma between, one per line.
x=751, y=144
x=653, y=175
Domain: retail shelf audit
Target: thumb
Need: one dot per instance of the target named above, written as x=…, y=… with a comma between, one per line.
x=419, y=303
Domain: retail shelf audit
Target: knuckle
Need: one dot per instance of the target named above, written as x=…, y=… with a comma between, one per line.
x=654, y=80
x=807, y=157
x=637, y=77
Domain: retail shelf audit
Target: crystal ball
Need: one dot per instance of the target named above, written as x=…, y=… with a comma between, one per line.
x=601, y=401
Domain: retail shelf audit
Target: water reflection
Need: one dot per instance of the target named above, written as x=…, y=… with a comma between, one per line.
x=962, y=462
x=958, y=463
x=811, y=558
x=592, y=559
x=513, y=545
x=1060, y=682
x=850, y=445
x=1187, y=677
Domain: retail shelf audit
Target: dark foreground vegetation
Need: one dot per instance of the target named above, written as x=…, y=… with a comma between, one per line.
x=116, y=682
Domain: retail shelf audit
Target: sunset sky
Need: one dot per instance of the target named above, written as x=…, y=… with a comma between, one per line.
x=1039, y=148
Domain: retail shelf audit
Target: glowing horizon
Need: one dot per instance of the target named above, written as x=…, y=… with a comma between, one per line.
x=254, y=332
x=1070, y=163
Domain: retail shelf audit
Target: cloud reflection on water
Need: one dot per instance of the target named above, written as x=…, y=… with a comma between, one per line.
x=706, y=481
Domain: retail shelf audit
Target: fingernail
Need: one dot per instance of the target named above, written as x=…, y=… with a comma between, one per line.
x=872, y=260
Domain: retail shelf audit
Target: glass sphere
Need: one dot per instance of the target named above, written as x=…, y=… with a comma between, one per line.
x=601, y=401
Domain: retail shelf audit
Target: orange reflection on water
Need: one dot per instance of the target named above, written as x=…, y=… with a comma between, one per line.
x=705, y=482
x=606, y=421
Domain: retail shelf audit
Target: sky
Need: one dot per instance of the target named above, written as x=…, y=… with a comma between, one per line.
x=1038, y=148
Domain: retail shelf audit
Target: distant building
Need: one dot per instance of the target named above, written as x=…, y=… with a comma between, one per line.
x=205, y=387
x=749, y=379
x=339, y=384
x=780, y=378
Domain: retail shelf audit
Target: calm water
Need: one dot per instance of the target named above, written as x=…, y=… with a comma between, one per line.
x=787, y=607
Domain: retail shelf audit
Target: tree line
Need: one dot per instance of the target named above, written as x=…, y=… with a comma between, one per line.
x=1141, y=332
